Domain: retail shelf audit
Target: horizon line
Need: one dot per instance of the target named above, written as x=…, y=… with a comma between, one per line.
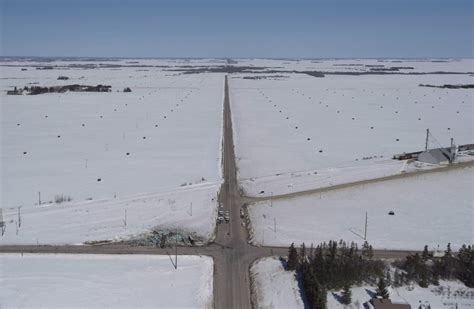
x=243, y=58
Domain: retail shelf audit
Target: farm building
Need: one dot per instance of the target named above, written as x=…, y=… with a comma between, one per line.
x=378, y=303
x=434, y=156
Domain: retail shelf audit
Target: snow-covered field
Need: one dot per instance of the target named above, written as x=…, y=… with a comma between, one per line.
x=363, y=65
x=151, y=152
x=299, y=124
x=102, y=281
x=273, y=287
x=191, y=209
x=156, y=150
x=165, y=133
x=276, y=288
x=431, y=209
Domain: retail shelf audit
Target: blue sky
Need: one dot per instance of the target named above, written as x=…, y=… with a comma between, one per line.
x=227, y=28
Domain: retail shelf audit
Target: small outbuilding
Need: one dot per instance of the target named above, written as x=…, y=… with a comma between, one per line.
x=434, y=156
x=379, y=303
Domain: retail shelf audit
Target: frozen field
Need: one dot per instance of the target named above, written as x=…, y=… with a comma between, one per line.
x=363, y=65
x=435, y=207
x=276, y=288
x=189, y=210
x=102, y=281
x=299, y=124
x=164, y=134
x=273, y=287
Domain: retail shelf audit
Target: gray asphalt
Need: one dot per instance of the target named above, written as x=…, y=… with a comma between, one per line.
x=231, y=251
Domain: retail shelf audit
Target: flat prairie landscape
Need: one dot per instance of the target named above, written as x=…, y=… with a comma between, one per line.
x=114, y=166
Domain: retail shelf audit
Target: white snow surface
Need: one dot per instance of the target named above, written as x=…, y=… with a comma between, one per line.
x=132, y=149
x=431, y=209
x=448, y=294
x=339, y=124
x=104, y=220
x=104, y=281
x=273, y=287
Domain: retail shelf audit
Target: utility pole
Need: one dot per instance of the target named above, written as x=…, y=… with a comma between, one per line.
x=452, y=152
x=176, y=250
x=39, y=198
x=365, y=230
x=19, y=217
x=191, y=209
x=426, y=142
x=125, y=219
x=2, y=223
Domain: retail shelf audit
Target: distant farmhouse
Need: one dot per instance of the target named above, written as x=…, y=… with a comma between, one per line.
x=441, y=155
x=437, y=155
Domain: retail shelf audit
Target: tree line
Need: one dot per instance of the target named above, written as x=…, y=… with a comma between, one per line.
x=340, y=265
x=425, y=269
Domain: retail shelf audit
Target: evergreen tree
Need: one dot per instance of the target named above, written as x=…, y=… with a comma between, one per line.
x=403, y=279
x=425, y=255
x=423, y=277
x=292, y=258
x=367, y=250
x=465, y=267
x=302, y=254
x=397, y=282
x=319, y=297
x=346, y=296
x=382, y=289
x=435, y=279
x=448, y=263
x=371, y=252
x=388, y=278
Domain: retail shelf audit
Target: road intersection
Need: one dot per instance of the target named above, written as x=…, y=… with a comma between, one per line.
x=231, y=250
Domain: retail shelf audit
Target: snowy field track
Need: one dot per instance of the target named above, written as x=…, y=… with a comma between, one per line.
x=292, y=124
x=104, y=281
x=432, y=209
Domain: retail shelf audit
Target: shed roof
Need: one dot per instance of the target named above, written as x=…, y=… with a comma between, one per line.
x=379, y=303
x=432, y=156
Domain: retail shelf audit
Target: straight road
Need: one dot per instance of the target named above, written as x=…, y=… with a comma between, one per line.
x=231, y=283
